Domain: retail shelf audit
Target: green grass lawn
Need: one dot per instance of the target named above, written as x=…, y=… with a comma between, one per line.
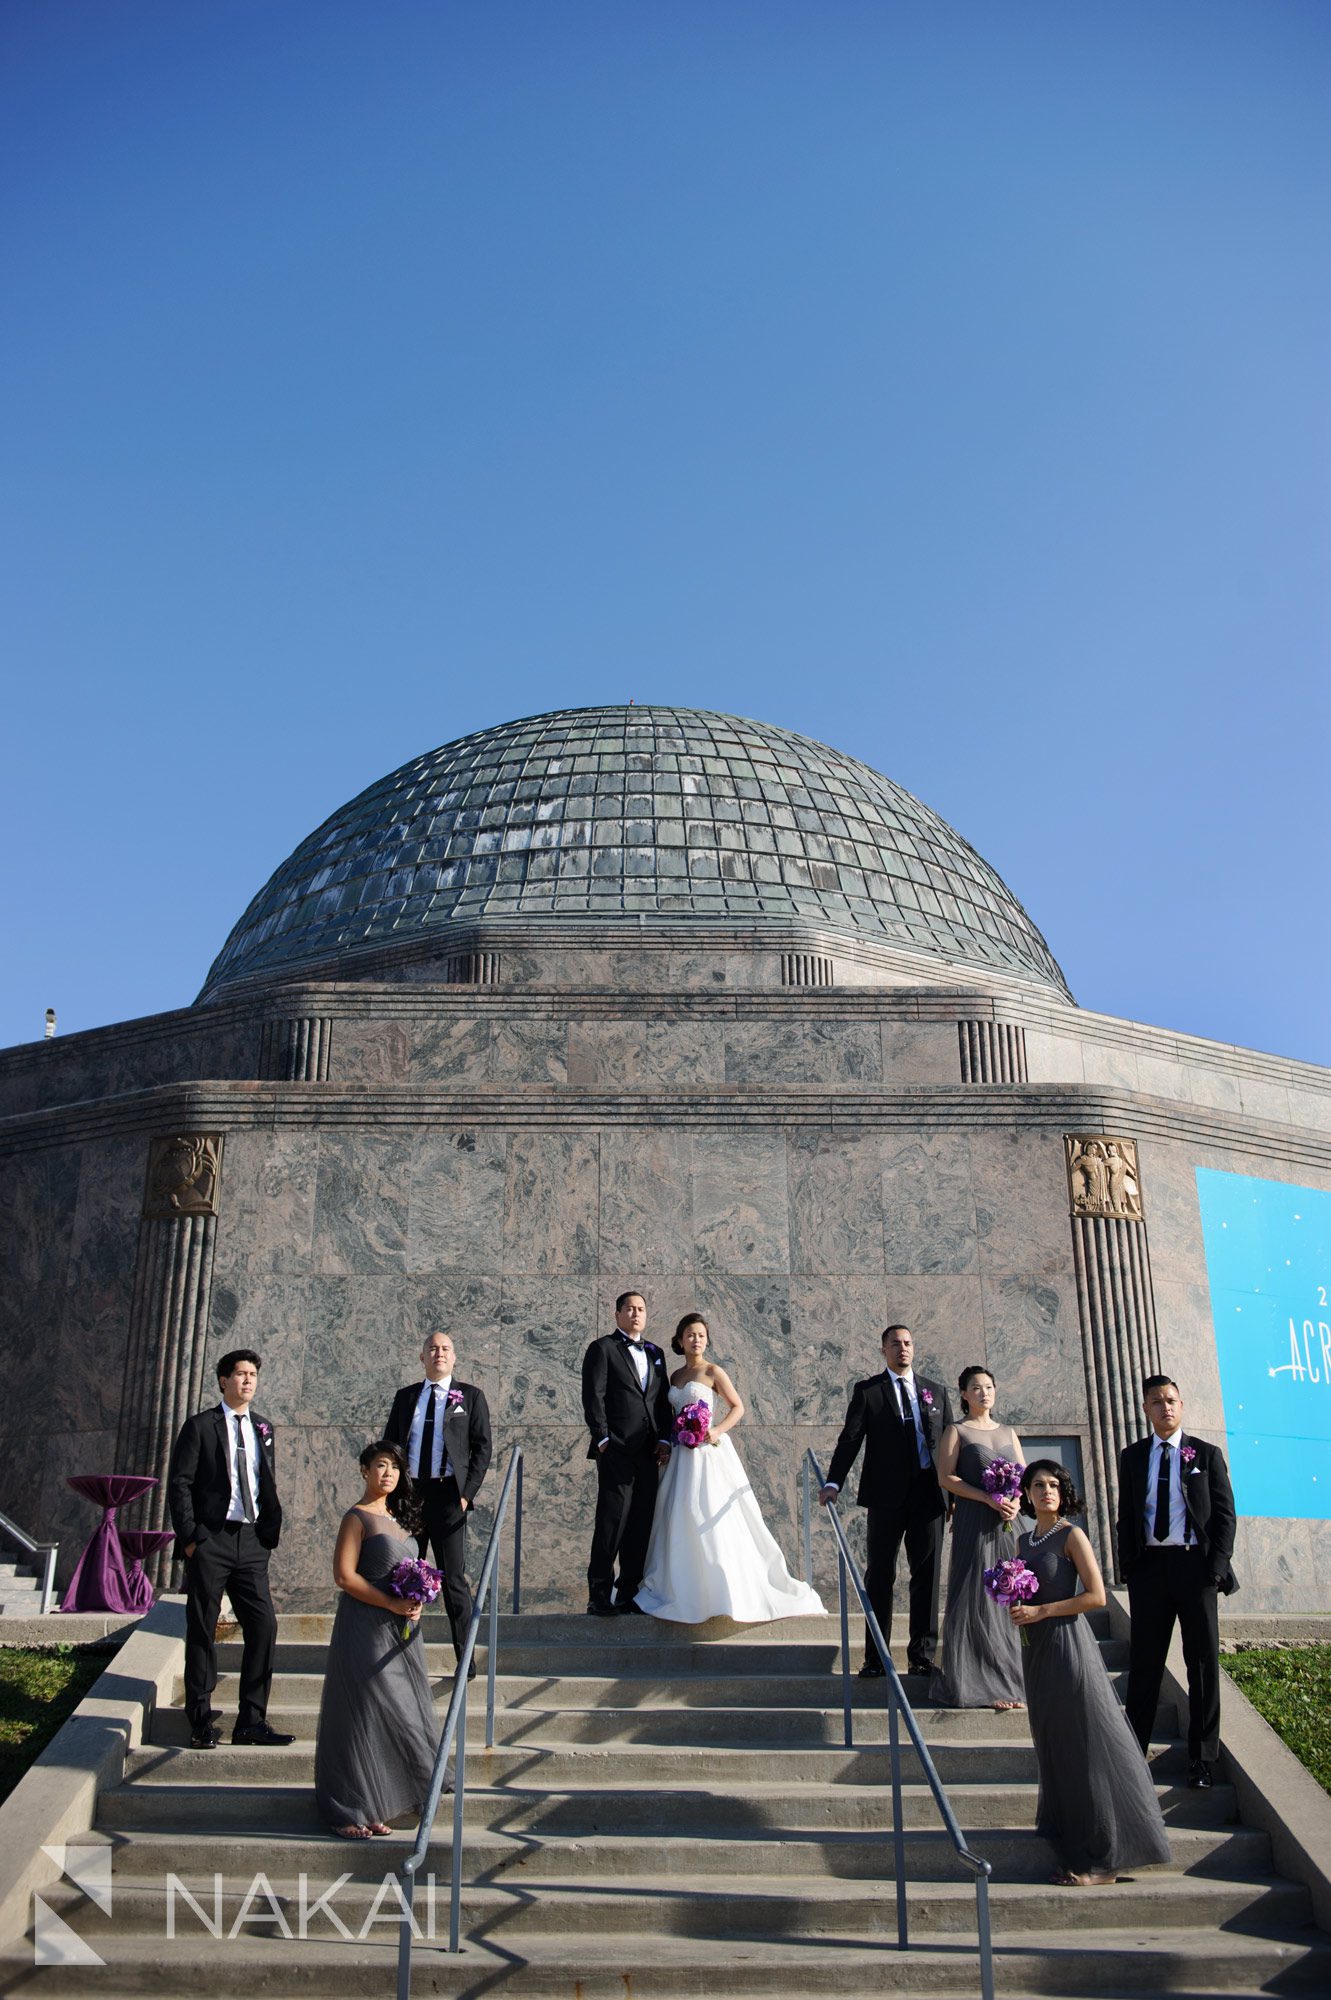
x=38, y=1689
x=1291, y=1687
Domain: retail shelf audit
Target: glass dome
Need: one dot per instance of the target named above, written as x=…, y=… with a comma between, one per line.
x=633, y=813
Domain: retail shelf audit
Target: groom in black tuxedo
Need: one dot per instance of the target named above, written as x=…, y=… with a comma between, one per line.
x=898, y=1417
x=443, y=1426
x=626, y=1401
x=222, y=1493
x=1176, y=1527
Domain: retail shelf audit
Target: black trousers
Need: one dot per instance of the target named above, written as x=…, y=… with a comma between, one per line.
x=918, y=1521
x=231, y=1560
x=1169, y=1584
x=444, y=1535
x=626, y=1485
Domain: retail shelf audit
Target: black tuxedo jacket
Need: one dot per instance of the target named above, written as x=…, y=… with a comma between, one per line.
x=467, y=1446
x=198, y=1484
x=1207, y=1495
x=891, y=1457
x=614, y=1404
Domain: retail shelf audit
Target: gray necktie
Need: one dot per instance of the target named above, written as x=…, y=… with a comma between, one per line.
x=243, y=1474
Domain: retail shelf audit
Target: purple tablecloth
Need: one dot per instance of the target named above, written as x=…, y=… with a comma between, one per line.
x=101, y=1581
x=138, y=1544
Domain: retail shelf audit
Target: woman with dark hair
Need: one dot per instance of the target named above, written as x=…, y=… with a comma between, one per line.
x=711, y=1554
x=1097, y=1807
x=377, y=1730
x=979, y=1665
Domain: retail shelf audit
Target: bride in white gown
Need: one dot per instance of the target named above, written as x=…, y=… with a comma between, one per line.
x=710, y=1555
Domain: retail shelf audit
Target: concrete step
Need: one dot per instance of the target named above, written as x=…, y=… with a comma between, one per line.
x=770, y=1828
x=577, y=1628
x=1010, y=1771
x=1121, y=1961
x=633, y=1692
x=666, y=1659
x=726, y=1907
x=584, y=1811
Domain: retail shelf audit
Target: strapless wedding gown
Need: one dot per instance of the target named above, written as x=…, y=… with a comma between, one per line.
x=710, y=1555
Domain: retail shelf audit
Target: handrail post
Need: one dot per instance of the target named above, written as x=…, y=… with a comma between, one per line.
x=48, y=1579
x=517, y=1543
x=986, y=1939
x=493, y=1654
x=845, y=1652
x=459, y=1802
x=898, y=1829
x=808, y=1522
x=407, y=1893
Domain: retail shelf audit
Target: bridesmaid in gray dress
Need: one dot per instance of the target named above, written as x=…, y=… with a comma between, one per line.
x=979, y=1665
x=377, y=1727
x=1097, y=1807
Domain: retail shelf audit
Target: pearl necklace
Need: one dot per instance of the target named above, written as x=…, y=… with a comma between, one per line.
x=1035, y=1540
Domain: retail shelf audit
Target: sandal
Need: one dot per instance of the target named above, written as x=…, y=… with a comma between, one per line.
x=351, y=1832
x=378, y=1826
x=1090, y=1881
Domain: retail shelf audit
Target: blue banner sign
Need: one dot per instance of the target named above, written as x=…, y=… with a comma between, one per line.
x=1268, y=1257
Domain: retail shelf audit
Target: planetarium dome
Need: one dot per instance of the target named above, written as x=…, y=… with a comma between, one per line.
x=633, y=817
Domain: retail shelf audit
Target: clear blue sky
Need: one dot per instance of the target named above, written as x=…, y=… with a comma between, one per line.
x=947, y=381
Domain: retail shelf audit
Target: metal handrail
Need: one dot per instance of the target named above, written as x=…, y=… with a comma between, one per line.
x=897, y=1708
x=455, y=1728
x=46, y=1550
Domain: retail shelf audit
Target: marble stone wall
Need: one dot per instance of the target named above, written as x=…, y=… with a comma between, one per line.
x=803, y=1169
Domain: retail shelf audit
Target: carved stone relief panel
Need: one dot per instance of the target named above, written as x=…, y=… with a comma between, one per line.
x=183, y=1175
x=1103, y=1177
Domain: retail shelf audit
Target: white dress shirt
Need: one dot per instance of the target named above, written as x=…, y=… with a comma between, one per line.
x=236, y=1509
x=439, y=1467
x=1180, y=1534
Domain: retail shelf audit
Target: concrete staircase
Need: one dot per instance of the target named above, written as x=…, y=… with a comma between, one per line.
x=664, y=1814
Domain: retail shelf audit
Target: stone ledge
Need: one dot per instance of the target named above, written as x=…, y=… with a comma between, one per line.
x=1274, y=1790
x=56, y=1801
x=67, y=1628
x=305, y=1106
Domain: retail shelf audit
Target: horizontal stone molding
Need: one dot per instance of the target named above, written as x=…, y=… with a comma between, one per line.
x=1042, y=1107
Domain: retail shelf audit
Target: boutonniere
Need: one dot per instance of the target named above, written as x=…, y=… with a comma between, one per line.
x=1187, y=1453
x=926, y=1399
x=265, y=1431
x=454, y=1399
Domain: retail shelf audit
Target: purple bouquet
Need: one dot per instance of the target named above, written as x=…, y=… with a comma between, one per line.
x=1002, y=1478
x=692, y=1425
x=1010, y=1582
x=418, y=1582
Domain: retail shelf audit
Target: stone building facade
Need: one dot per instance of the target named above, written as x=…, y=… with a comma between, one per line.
x=774, y=1045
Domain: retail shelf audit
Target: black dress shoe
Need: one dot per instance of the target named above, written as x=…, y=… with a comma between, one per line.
x=206, y=1738
x=625, y=1605
x=1199, y=1776
x=873, y=1670
x=600, y=1607
x=261, y=1735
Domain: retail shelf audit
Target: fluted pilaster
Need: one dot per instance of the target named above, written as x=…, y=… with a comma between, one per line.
x=167, y=1361
x=1116, y=1307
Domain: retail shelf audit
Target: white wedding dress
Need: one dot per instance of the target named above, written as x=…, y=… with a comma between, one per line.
x=710, y=1555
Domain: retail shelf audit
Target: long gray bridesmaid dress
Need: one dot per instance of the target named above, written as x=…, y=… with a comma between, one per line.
x=980, y=1662
x=1097, y=1806
x=377, y=1727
